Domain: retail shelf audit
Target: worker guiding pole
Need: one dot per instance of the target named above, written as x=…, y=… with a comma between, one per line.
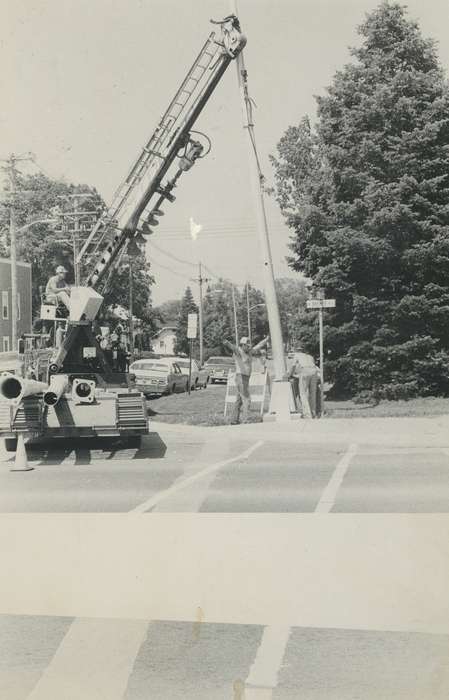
x=281, y=396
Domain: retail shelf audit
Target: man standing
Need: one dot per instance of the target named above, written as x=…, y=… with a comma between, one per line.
x=57, y=289
x=59, y=335
x=243, y=365
x=304, y=372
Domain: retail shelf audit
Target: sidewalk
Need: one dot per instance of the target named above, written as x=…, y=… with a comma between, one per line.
x=391, y=432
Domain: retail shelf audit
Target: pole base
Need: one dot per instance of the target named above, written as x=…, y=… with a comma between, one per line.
x=282, y=404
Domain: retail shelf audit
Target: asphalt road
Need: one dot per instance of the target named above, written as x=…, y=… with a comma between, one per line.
x=228, y=470
x=237, y=470
x=44, y=658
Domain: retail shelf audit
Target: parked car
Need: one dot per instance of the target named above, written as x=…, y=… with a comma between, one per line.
x=199, y=377
x=219, y=368
x=157, y=377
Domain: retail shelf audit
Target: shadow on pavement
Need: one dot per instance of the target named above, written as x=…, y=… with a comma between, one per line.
x=87, y=451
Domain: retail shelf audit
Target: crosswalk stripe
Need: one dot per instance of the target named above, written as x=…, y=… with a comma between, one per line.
x=263, y=674
x=329, y=495
x=179, y=485
x=93, y=661
x=190, y=499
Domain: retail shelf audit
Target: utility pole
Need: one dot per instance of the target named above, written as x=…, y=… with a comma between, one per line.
x=281, y=396
x=11, y=169
x=131, y=312
x=76, y=215
x=200, y=281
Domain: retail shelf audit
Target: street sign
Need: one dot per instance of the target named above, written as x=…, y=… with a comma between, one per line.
x=192, y=325
x=320, y=304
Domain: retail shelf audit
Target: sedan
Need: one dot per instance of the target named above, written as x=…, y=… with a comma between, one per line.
x=199, y=376
x=219, y=368
x=157, y=377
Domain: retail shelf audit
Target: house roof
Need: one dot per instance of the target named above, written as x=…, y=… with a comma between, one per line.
x=165, y=328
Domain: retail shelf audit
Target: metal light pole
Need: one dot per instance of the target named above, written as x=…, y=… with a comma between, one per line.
x=200, y=313
x=234, y=308
x=281, y=397
x=236, y=328
x=250, y=308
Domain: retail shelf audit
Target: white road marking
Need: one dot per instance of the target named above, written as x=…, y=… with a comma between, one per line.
x=157, y=498
x=263, y=674
x=93, y=661
x=329, y=495
x=190, y=499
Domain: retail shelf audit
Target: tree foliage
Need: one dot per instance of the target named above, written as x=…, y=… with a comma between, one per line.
x=366, y=194
x=187, y=307
x=219, y=324
x=38, y=198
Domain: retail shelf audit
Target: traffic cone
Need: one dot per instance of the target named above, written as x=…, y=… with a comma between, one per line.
x=21, y=460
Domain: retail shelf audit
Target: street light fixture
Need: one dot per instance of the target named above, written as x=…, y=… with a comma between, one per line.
x=249, y=309
x=220, y=291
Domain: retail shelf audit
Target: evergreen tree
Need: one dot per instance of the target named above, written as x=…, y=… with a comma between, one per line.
x=366, y=194
x=188, y=306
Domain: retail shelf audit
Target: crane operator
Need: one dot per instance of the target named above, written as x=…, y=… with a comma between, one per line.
x=57, y=289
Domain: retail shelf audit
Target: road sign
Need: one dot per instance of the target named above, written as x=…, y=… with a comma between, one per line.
x=192, y=325
x=320, y=304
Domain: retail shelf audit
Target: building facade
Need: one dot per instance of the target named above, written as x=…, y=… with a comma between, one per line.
x=24, y=303
x=164, y=341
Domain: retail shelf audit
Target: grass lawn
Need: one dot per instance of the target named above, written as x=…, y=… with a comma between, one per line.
x=429, y=406
x=202, y=407
x=206, y=407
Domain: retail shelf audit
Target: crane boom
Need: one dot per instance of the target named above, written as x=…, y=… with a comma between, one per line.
x=136, y=204
x=120, y=223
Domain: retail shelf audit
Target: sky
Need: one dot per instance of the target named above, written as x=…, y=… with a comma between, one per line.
x=83, y=84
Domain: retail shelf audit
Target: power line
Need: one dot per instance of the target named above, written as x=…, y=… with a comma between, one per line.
x=170, y=255
x=210, y=272
x=169, y=269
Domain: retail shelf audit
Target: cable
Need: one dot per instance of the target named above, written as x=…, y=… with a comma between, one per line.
x=169, y=269
x=212, y=274
x=170, y=255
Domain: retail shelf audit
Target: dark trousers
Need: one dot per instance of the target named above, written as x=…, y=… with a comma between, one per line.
x=243, y=399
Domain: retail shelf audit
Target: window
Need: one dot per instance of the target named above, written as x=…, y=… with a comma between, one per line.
x=6, y=342
x=18, y=306
x=5, y=305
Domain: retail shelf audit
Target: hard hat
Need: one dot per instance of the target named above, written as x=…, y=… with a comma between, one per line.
x=60, y=268
x=244, y=340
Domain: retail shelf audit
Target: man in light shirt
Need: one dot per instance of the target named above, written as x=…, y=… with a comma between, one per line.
x=243, y=354
x=57, y=288
x=305, y=372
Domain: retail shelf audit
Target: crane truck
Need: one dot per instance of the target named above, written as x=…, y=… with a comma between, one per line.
x=76, y=393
